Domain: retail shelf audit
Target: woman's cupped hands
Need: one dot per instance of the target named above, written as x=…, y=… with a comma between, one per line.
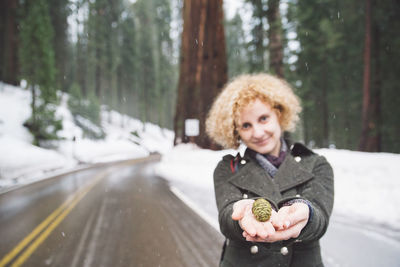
x=283, y=224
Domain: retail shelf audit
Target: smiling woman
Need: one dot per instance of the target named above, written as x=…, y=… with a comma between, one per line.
x=297, y=183
x=226, y=110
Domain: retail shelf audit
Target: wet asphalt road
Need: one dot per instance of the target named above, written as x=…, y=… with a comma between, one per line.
x=122, y=215
x=347, y=244
x=105, y=216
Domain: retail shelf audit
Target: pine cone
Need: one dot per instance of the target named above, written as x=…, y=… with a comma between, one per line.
x=262, y=210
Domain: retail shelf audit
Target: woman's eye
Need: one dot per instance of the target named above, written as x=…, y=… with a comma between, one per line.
x=246, y=125
x=263, y=118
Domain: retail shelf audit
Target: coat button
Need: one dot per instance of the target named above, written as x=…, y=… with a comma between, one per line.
x=254, y=249
x=245, y=196
x=298, y=195
x=243, y=162
x=284, y=251
x=298, y=159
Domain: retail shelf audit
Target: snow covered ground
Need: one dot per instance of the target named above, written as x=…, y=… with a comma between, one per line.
x=367, y=185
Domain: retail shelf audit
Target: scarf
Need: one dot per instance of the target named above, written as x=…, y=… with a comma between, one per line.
x=271, y=163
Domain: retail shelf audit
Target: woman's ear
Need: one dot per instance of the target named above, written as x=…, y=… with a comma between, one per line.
x=236, y=136
x=278, y=109
x=238, y=141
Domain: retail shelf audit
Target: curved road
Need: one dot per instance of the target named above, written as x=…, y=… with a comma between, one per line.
x=119, y=215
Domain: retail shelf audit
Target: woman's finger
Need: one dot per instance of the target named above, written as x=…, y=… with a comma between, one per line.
x=240, y=207
x=248, y=225
x=292, y=232
x=298, y=212
x=269, y=228
x=262, y=229
x=276, y=220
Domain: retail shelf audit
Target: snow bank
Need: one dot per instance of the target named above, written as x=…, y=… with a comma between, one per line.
x=367, y=185
x=20, y=161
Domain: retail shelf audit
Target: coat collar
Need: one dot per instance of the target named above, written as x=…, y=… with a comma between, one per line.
x=291, y=174
x=252, y=177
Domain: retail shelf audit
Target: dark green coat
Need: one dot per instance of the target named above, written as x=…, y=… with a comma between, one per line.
x=303, y=174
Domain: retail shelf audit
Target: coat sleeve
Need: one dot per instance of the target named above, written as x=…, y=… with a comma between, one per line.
x=226, y=195
x=320, y=193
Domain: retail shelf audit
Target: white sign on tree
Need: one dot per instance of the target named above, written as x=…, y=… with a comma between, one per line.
x=192, y=127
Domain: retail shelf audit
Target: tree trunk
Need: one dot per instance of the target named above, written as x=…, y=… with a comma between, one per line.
x=59, y=14
x=275, y=39
x=370, y=135
x=325, y=112
x=257, y=52
x=80, y=70
x=97, y=82
x=367, y=78
x=275, y=46
x=347, y=122
x=374, y=136
x=34, y=115
x=9, y=70
x=203, y=70
x=377, y=98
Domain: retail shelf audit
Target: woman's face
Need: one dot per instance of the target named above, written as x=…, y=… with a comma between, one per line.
x=259, y=128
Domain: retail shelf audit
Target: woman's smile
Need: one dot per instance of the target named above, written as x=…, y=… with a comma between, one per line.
x=261, y=142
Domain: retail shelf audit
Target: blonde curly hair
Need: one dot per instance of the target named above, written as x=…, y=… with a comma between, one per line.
x=223, y=117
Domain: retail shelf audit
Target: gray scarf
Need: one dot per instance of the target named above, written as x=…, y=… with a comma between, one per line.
x=266, y=164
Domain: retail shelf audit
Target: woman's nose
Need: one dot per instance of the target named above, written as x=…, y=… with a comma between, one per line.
x=258, y=131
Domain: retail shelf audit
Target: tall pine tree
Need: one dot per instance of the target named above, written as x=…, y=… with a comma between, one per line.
x=148, y=59
x=38, y=69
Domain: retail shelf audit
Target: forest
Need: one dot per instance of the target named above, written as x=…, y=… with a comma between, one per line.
x=164, y=61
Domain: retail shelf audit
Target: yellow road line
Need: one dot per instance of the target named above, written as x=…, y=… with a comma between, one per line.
x=42, y=237
x=64, y=209
x=34, y=233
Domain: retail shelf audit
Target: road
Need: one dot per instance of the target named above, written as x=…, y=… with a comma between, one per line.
x=120, y=215
x=123, y=215
x=347, y=244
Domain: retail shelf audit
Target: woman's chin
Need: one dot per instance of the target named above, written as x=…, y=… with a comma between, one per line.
x=262, y=149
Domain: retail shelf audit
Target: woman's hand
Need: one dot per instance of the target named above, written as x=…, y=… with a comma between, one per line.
x=251, y=227
x=289, y=222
